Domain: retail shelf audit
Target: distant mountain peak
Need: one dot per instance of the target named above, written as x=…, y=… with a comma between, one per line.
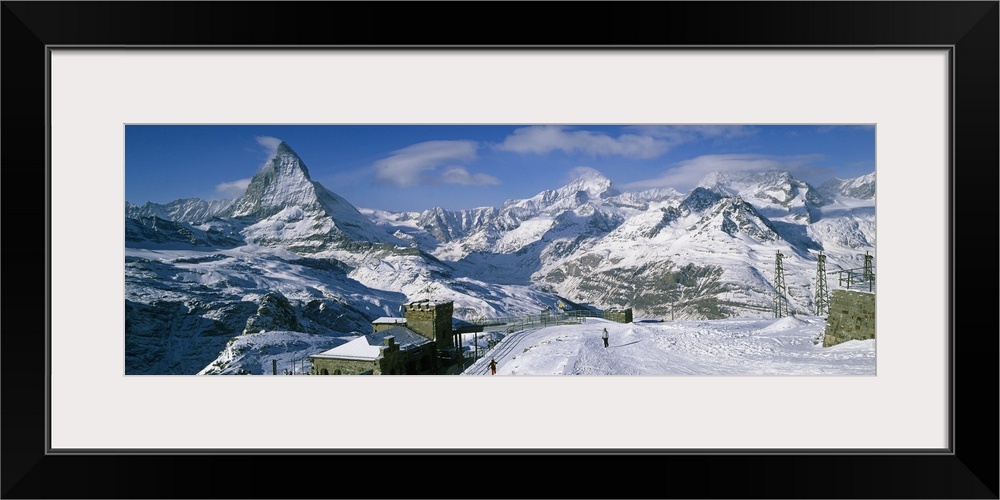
x=700, y=199
x=286, y=161
x=862, y=187
x=283, y=181
x=592, y=182
x=737, y=180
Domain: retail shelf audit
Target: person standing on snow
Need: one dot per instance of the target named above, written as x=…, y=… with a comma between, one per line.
x=493, y=366
x=605, y=337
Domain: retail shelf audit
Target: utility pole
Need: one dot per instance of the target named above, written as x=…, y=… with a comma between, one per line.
x=780, y=302
x=822, y=292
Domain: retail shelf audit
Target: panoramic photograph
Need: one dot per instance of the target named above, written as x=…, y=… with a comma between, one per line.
x=500, y=250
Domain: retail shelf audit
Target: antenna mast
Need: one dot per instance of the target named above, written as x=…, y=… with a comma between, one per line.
x=822, y=291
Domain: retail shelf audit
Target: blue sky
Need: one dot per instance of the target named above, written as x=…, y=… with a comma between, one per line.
x=416, y=167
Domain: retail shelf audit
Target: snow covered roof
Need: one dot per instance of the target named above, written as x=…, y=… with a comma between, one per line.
x=406, y=338
x=358, y=348
x=428, y=302
x=387, y=320
x=367, y=347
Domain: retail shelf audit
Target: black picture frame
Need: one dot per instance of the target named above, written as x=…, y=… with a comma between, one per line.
x=970, y=29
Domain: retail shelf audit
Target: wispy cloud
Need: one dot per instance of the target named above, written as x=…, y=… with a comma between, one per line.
x=420, y=164
x=583, y=171
x=459, y=175
x=270, y=144
x=544, y=139
x=232, y=189
x=270, y=148
x=686, y=174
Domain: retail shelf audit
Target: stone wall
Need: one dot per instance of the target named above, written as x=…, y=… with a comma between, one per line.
x=852, y=317
x=391, y=361
x=621, y=316
x=432, y=320
x=342, y=366
x=420, y=361
x=387, y=323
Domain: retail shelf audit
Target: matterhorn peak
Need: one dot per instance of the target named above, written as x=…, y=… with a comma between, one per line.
x=283, y=193
x=283, y=181
x=285, y=161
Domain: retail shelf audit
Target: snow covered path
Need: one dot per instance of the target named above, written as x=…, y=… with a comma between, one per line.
x=747, y=346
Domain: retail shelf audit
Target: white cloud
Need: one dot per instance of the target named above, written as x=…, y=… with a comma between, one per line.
x=269, y=143
x=583, y=171
x=686, y=174
x=547, y=138
x=233, y=189
x=415, y=165
x=459, y=175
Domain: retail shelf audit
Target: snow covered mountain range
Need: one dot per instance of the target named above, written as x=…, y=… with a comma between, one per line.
x=291, y=256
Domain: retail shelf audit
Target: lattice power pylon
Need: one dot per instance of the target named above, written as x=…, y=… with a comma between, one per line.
x=822, y=299
x=780, y=301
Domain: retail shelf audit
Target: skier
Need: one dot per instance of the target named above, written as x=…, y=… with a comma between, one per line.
x=493, y=366
x=605, y=337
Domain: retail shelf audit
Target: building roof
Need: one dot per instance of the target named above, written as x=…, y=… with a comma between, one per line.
x=367, y=347
x=432, y=303
x=388, y=320
x=358, y=348
x=406, y=338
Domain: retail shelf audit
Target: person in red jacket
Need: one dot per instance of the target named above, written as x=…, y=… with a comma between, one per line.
x=493, y=366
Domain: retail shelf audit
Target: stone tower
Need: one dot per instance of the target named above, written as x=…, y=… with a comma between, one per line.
x=432, y=320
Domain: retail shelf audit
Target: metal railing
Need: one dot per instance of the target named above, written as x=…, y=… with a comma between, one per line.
x=857, y=278
x=511, y=324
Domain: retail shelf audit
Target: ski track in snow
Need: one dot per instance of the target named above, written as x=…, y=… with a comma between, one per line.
x=723, y=347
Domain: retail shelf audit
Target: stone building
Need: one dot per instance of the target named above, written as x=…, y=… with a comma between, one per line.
x=619, y=315
x=421, y=343
x=387, y=322
x=432, y=320
x=394, y=351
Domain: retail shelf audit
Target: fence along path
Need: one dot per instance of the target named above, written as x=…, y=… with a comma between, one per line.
x=508, y=322
x=516, y=329
x=503, y=349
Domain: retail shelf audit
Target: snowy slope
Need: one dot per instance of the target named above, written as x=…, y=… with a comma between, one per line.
x=590, y=243
x=264, y=353
x=786, y=346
